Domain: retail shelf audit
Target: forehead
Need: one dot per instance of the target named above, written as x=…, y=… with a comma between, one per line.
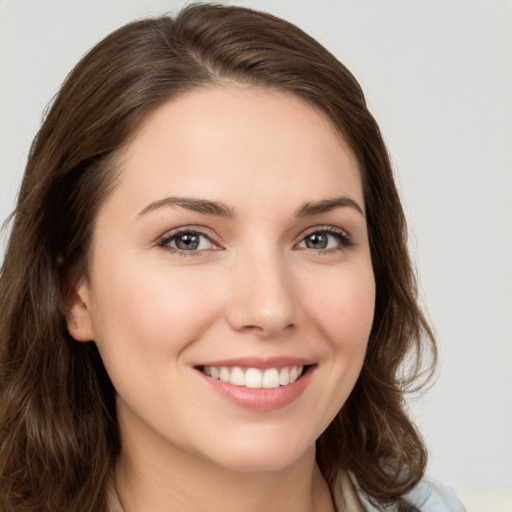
x=238, y=140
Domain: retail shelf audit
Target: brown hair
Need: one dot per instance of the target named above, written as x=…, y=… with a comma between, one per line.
x=58, y=430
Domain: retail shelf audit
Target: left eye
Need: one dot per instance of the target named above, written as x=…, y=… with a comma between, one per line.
x=188, y=241
x=321, y=240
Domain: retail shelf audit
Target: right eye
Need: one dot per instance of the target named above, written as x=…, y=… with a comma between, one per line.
x=187, y=241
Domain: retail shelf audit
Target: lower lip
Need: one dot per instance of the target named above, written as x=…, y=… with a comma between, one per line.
x=261, y=399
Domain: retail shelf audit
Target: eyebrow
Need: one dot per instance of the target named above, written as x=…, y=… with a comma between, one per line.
x=222, y=210
x=193, y=204
x=328, y=205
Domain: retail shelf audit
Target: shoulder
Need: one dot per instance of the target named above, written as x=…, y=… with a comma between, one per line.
x=427, y=496
x=432, y=496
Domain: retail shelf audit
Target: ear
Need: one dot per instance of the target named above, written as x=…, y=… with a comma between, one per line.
x=79, y=321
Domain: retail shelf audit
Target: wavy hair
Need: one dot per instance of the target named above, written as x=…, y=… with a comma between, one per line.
x=59, y=437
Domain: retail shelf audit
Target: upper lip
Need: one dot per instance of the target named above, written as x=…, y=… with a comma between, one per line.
x=259, y=362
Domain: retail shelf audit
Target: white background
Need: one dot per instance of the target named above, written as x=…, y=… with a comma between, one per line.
x=438, y=77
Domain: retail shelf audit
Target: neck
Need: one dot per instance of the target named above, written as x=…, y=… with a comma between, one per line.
x=161, y=478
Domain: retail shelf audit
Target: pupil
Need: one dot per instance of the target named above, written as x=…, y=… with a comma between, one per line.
x=187, y=242
x=316, y=241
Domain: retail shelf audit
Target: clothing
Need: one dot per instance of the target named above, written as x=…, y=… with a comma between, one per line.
x=427, y=496
x=432, y=496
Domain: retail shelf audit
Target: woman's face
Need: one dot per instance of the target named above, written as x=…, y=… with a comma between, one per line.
x=232, y=255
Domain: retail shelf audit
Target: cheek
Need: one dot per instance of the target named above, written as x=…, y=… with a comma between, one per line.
x=341, y=308
x=152, y=314
x=343, y=304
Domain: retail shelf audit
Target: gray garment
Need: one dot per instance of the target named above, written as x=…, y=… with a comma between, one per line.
x=428, y=496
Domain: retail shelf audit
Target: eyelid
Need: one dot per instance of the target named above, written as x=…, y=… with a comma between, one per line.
x=345, y=238
x=164, y=239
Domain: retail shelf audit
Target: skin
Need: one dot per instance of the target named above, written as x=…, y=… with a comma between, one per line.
x=252, y=288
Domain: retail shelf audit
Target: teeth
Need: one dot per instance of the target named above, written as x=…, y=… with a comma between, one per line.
x=237, y=377
x=224, y=374
x=271, y=378
x=254, y=377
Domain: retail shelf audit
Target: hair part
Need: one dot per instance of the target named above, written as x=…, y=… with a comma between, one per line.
x=59, y=437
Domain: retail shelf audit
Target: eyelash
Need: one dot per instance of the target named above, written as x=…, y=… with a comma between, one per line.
x=345, y=241
x=169, y=237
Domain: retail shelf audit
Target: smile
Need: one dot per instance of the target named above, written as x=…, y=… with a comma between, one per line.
x=255, y=378
x=259, y=383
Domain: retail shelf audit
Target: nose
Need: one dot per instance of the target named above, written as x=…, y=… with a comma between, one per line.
x=263, y=301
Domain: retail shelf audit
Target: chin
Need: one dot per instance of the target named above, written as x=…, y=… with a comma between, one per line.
x=263, y=456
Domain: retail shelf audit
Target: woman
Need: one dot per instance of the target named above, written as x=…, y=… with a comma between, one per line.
x=207, y=300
